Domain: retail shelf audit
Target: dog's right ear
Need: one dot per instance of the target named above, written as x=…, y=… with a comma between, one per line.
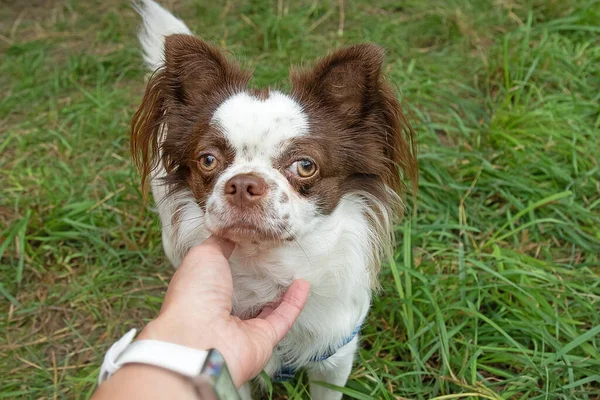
x=182, y=89
x=146, y=128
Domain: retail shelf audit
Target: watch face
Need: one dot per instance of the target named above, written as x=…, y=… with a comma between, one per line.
x=214, y=365
x=216, y=371
x=225, y=388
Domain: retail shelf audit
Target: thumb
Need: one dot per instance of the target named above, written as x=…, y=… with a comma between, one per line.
x=283, y=317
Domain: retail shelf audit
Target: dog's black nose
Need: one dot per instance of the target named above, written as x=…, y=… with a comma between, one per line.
x=245, y=190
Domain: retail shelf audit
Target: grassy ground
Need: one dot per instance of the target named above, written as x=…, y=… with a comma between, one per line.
x=495, y=289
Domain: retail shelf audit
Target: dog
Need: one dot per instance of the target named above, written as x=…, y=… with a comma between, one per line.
x=307, y=184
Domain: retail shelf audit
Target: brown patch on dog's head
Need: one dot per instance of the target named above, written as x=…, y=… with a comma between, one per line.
x=358, y=134
x=261, y=94
x=183, y=95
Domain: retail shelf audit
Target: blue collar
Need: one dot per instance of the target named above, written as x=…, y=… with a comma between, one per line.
x=286, y=372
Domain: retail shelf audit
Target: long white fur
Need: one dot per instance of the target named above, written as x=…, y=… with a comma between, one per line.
x=157, y=24
x=336, y=254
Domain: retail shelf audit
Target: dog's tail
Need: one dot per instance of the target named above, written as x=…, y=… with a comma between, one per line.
x=157, y=23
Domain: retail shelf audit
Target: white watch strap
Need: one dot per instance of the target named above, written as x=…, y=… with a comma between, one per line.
x=180, y=359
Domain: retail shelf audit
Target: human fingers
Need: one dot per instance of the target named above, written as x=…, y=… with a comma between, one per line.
x=213, y=251
x=283, y=317
x=265, y=312
x=222, y=246
x=204, y=273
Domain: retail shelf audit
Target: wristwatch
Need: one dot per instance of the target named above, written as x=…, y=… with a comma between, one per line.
x=206, y=369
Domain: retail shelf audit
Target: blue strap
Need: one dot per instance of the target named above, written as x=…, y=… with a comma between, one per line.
x=332, y=351
x=286, y=372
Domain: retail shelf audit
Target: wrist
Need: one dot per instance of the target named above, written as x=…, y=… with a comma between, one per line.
x=168, y=330
x=205, y=337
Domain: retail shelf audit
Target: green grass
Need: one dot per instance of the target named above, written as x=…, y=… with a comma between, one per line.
x=494, y=292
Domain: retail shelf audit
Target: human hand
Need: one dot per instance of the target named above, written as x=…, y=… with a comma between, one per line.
x=196, y=312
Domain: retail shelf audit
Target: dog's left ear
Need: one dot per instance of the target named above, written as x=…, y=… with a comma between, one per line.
x=348, y=84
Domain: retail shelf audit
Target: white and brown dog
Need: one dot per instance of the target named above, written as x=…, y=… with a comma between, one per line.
x=306, y=184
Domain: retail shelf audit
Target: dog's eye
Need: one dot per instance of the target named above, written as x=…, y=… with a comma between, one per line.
x=208, y=162
x=303, y=168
